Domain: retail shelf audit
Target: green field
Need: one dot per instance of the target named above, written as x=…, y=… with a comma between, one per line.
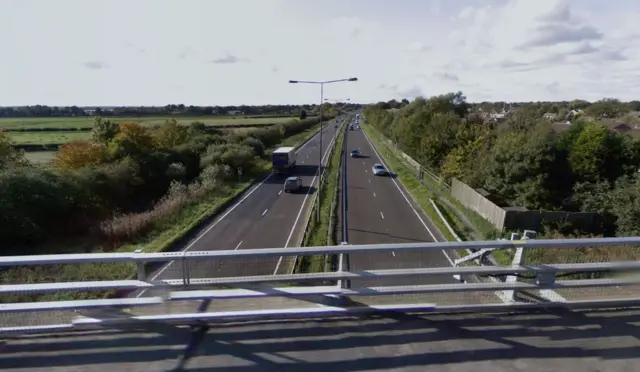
x=87, y=122
x=38, y=138
x=40, y=157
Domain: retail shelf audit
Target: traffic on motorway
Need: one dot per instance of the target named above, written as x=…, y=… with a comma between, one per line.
x=380, y=211
x=270, y=214
x=267, y=216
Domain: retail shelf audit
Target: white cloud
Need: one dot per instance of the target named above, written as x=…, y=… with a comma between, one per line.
x=244, y=51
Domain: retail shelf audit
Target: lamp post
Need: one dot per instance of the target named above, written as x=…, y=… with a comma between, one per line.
x=322, y=84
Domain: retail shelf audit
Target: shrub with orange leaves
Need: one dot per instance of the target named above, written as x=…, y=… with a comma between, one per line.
x=77, y=154
x=133, y=137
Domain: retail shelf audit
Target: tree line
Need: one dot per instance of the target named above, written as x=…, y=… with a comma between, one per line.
x=121, y=183
x=524, y=161
x=75, y=111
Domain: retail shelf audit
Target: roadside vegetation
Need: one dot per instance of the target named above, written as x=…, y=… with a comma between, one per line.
x=129, y=187
x=323, y=232
x=558, y=156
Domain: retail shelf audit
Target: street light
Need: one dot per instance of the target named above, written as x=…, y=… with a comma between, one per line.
x=321, y=83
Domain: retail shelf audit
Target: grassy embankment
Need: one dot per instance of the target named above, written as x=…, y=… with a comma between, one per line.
x=164, y=235
x=321, y=232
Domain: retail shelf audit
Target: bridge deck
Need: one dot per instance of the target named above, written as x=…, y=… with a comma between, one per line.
x=590, y=340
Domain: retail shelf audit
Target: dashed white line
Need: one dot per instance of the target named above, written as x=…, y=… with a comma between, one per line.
x=299, y=151
x=393, y=253
x=407, y=200
x=366, y=171
x=369, y=181
x=279, y=192
x=382, y=215
x=374, y=194
x=265, y=212
x=238, y=246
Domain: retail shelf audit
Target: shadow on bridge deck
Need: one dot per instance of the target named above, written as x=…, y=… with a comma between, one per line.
x=589, y=340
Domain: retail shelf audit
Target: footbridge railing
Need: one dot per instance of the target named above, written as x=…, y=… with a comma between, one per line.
x=193, y=286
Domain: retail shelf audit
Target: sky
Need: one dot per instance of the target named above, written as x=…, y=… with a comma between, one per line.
x=233, y=52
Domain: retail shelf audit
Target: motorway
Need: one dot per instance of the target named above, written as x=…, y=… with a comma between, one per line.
x=265, y=217
x=380, y=211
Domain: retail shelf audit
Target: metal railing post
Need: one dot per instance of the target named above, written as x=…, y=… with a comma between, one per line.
x=186, y=274
x=141, y=268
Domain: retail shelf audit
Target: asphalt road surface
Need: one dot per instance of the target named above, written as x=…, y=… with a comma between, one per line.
x=265, y=217
x=381, y=211
x=585, y=341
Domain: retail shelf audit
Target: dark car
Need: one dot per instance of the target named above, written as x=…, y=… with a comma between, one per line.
x=355, y=153
x=292, y=184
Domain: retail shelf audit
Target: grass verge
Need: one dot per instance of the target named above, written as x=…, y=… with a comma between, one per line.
x=319, y=232
x=164, y=236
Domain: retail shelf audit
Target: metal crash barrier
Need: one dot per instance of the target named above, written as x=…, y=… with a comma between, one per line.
x=188, y=287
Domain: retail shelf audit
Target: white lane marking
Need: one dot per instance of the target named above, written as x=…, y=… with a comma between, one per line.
x=393, y=253
x=323, y=161
x=301, y=161
x=237, y=246
x=265, y=212
x=374, y=194
x=366, y=171
x=279, y=192
x=205, y=232
x=382, y=215
x=407, y=199
x=369, y=181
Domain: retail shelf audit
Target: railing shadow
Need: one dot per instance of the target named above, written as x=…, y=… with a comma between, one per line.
x=382, y=342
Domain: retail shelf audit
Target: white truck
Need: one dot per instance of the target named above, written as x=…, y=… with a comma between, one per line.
x=284, y=159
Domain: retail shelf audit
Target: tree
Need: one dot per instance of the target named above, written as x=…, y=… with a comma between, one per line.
x=103, y=131
x=303, y=115
x=625, y=205
x=518, y=167
x=590, y=153
x=133, y=138
x=78, y=154
x=8, y=155
x=171, y=134
x=606, y=108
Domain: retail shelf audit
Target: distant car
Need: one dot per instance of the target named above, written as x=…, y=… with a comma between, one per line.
x=379, y=170
x=336, y=126
x=350, y=127
x=292, y=184
x=355, y=153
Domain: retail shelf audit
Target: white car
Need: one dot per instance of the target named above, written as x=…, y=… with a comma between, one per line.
x=379, y=170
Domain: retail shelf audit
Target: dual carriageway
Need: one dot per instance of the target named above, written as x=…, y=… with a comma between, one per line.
x=378, y=211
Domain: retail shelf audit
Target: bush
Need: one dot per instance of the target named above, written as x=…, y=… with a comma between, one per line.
x=120, y=185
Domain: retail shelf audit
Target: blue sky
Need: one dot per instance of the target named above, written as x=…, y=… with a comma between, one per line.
x=219, y=52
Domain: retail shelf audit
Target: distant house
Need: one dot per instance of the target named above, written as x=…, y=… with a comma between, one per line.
x=550, y=116
x=622, y=128
x=235, y=112
x=573, y=113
